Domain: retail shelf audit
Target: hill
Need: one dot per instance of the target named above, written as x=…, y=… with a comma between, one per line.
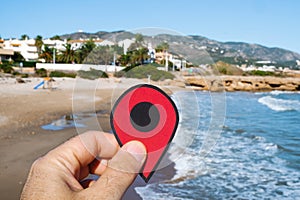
x=201, y=50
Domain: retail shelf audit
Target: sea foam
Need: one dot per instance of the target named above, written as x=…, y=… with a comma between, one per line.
x=280, y=104
x=278, y=92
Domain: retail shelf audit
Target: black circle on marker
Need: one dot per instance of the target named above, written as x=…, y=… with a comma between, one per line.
x=144, y=116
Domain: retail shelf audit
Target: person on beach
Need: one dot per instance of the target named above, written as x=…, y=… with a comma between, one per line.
x=60, y=173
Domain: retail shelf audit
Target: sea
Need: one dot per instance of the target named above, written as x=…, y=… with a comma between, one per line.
x=238, y=145
x=233, y=145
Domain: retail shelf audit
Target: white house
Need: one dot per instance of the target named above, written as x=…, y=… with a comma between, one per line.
x=151, y=53
x=267, y=68
x=5, y=54
x=25, y=47
x=57, y=44
x=178, y=62
x=76, y=44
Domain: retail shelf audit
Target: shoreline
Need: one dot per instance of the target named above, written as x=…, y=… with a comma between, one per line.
x=24, y=110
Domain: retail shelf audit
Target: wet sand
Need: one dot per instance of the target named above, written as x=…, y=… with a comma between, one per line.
x=22, y=113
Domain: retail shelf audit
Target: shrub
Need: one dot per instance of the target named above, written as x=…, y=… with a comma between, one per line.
x=158, y=65
x=24, y=76
x=92, y=74
x=62, y=74
x=6, y=68
x=41, y=72
x=15, y=73
x=144, y=70
x=261, y=73
x=226, y=69
x=119, y=74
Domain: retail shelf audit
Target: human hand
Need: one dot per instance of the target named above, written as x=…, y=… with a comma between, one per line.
x=57, y=175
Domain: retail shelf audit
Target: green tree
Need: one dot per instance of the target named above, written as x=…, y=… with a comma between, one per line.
x=47, y=54
x=101, y=55
x=39, y=43
x=139, y=40
x=69, y=55
x=86, y=49
x=56, y=37
x=117, y=49
x=137, y=56
x=124, y=59
x=17, y=57
x=140, y=55
x=162, y=47
x=24, y=36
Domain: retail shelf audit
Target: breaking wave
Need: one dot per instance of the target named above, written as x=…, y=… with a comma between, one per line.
x=280, y=104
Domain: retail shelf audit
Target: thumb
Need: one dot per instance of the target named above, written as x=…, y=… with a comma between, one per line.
x=121, y=171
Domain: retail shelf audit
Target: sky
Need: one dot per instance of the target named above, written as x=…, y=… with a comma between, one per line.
x=272, y=23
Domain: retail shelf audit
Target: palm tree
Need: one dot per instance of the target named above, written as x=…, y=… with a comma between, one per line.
x=24, y=36
x=86, y=49
x=56, y=37
x=124, y=59
x=139, y=39
x=39, y=43
x=138, y=56
x=47, y=54
x=142, y=55
x=162, y=47
x=69, y=55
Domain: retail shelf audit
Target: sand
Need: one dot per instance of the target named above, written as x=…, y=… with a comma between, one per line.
x=24, y=110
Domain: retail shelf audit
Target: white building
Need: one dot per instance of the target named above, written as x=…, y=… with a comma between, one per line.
x=178, y=62
x=151, y=53
x=264, y=62
x=76, y=44
x=57, y=44
x=6, y=54
x=25, y=47
x=267, y=68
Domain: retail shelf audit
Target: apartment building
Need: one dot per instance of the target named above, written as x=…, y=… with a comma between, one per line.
x=25, y=47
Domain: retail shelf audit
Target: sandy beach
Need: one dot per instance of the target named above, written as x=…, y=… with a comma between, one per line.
x=24, y=110
x=22, y=140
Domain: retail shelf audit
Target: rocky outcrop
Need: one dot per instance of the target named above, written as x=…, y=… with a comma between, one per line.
x=243, y=83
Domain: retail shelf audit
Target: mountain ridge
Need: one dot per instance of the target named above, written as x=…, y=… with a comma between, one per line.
x=231, y=51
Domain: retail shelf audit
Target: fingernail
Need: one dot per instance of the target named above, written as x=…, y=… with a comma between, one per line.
x=136, y=149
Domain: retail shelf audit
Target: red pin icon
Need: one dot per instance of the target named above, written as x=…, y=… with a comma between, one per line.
x=147, y=114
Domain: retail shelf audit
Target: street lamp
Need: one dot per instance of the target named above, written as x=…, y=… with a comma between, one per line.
x=167, y=61
x=54, y=55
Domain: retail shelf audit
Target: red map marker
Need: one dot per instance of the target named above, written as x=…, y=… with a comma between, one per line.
x=147, y=114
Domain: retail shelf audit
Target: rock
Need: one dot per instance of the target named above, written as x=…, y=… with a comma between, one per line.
x=178, y=83
x=19, y=80
x=243, y=83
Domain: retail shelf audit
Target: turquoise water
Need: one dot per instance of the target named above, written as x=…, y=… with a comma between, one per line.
x=257, y=155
